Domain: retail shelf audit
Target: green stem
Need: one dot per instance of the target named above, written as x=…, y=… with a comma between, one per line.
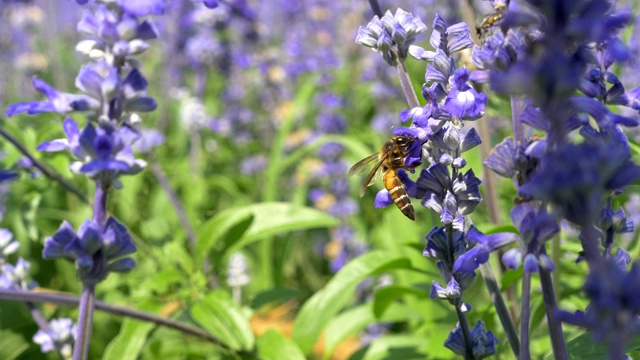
x=525, y=316
x=466, y=333
x=555, y=326
x=501, y=307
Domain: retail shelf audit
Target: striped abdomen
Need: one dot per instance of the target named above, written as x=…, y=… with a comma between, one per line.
x=395, y=186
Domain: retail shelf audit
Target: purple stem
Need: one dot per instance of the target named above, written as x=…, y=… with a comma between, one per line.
x=375, y=6
x=518, y=127
x=85, y=322
x=100, y=204
x=555, y=326
x=405, y=83
x=70, y=300
x=525, y=316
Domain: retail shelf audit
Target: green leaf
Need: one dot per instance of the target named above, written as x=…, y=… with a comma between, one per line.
x=12, y=345
x=386, y=295
x=323, y=305
x=272, y=295
x=130, y=340
x=584, y=347
x=489, y=228
x=224, y=319
x=347, y=323
x=272, y=345
x=241, y=226
x=394, y=347
x=231, y=220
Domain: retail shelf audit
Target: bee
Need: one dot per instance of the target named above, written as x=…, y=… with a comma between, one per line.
x=492, y=20
x=390, y=159
x=489, y=22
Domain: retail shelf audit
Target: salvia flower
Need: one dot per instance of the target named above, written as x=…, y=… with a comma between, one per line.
x=612, y=315
x=60, y=337
x=482, y=246
x=115, y=37
x=104, y=152
x=499, y=51
x=464, y=101
x=58, y=102
x=536, y=226
x=95, y=250
x=575, y=178
x=483, y=341
x=446, y=196
x=391, y=35
x=448, y=39
x=16, y=277
x=7, y=246
x=439, y=247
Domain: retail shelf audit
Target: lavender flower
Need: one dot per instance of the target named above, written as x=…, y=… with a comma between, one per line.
x=95, y=250
x=536, y=227
x=575, y=178
x=17, y=277
x=60, y=337
x=391, y=35
x=7, y=247
x=483, y=341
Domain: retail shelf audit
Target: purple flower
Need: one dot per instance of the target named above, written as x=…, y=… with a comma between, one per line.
x=536, y=226
x=574, y=179
x=17, y=277
x=58, y=102
x=104, y=154
x=211, y=4
x=446, y=196
x=483, y=342
x=448, y=40
x=464, y=101
x=142, y=7
x=95, y=250
x=484, y=245
x=7, y=247
x=614, y=292
x=399, y=30
x=452, y=292
x=60, y=337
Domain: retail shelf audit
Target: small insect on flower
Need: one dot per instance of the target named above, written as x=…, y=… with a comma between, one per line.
x=491, y=21
x=390, y=159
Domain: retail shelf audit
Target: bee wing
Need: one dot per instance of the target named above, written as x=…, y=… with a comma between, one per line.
x=370, y=163
x=369, y=179
x=364, y=164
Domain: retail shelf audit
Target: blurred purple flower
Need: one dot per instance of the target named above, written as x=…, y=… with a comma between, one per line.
x=96, y=251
